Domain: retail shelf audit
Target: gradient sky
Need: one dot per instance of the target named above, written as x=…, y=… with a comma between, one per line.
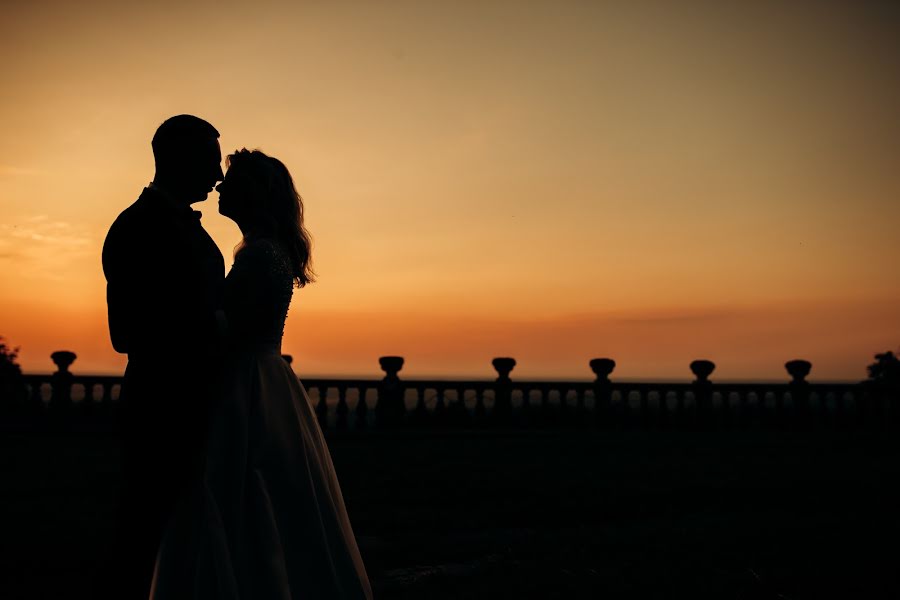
x=650, y=181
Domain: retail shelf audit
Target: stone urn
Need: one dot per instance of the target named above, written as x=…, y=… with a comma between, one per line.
x=602, y=367
x=391, y=365
x=798, y=369
x=702, y=369
x=63, y=360
x=504, y=367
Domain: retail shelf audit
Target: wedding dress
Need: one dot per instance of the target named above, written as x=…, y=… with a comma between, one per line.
x=267, y=520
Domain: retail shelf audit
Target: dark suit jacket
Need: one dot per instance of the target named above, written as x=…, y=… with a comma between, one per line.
x=165, y=279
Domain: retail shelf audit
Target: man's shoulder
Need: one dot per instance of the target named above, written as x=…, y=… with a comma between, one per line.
x=137, y=217
x=131, y=227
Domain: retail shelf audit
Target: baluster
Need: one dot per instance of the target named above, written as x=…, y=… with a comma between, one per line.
x=458, y=409
x=106, y=401
x=674, y=413
x=851, y=409
x=736, y=408
x=87, y=404
x=842, y=415
x=96, y=397
x=420, y=413
x=716, y=410
x=825, y=414
x=662, y=409
x=745, y=408
x=439, y=404
x=651, y=416
x=727, y=418
x=816, y=408
x=580, y=408
x=563, y=406
x=718, y=407
x=342, y=409
x=661, y=413
x=677, y=413
x=687, y=407
x=525, y=411
x=361, y=409
x=549, y=413
x=322, y=407
x=544, y=401
x=644, y=406
x=840, y=412
x=751, y=409
x=480, y=411
x=761, y=416
x=60, y=397
x=871, y=409
x=439, y=407
x=36, y=399
x=623, y=408
x=779, y=408
x=677, y=408
x=627, y=405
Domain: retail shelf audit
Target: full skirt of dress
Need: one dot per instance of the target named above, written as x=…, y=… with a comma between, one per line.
x=266, y=520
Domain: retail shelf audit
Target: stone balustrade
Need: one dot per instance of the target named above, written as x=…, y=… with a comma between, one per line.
x=392, y=403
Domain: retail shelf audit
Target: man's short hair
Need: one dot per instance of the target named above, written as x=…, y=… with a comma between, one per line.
x=178, y=133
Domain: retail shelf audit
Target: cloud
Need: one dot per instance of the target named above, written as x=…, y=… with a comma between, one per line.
x=40, y=229
x=676, y=318
x=16, y=171
x=43, y=248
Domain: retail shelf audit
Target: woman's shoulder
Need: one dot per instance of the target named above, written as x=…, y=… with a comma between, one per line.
x=259, y=248
x=261, y=251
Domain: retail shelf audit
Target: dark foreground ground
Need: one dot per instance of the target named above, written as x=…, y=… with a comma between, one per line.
x=568, y=515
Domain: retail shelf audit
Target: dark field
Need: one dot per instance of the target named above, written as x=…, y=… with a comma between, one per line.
x=534, y=515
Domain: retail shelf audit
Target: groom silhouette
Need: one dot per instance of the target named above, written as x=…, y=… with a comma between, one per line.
x=165, y=279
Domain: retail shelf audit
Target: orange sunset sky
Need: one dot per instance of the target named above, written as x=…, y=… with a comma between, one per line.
x=555, y=181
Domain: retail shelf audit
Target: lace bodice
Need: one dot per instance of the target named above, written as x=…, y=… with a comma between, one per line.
x=258, y=293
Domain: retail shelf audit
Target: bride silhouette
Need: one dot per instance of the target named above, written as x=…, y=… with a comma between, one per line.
x=266, y=520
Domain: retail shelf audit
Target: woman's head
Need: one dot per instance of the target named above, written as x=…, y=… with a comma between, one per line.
x=259, y=195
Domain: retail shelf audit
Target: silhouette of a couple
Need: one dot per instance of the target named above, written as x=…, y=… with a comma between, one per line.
x=228, y=488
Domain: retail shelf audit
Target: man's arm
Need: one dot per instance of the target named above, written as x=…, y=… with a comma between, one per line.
x=121, y=292
x=157, y=299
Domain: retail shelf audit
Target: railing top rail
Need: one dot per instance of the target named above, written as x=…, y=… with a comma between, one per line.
x=42, y=377
x=309, y=382
x=515, y=383
x=798, y=370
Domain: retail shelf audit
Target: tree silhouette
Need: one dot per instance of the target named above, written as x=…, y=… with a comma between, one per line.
x=8, y=366
x=885, y=369
x=11, y=388
x=884, y=377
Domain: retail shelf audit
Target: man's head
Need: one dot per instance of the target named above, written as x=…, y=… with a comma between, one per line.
x=188, y=158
